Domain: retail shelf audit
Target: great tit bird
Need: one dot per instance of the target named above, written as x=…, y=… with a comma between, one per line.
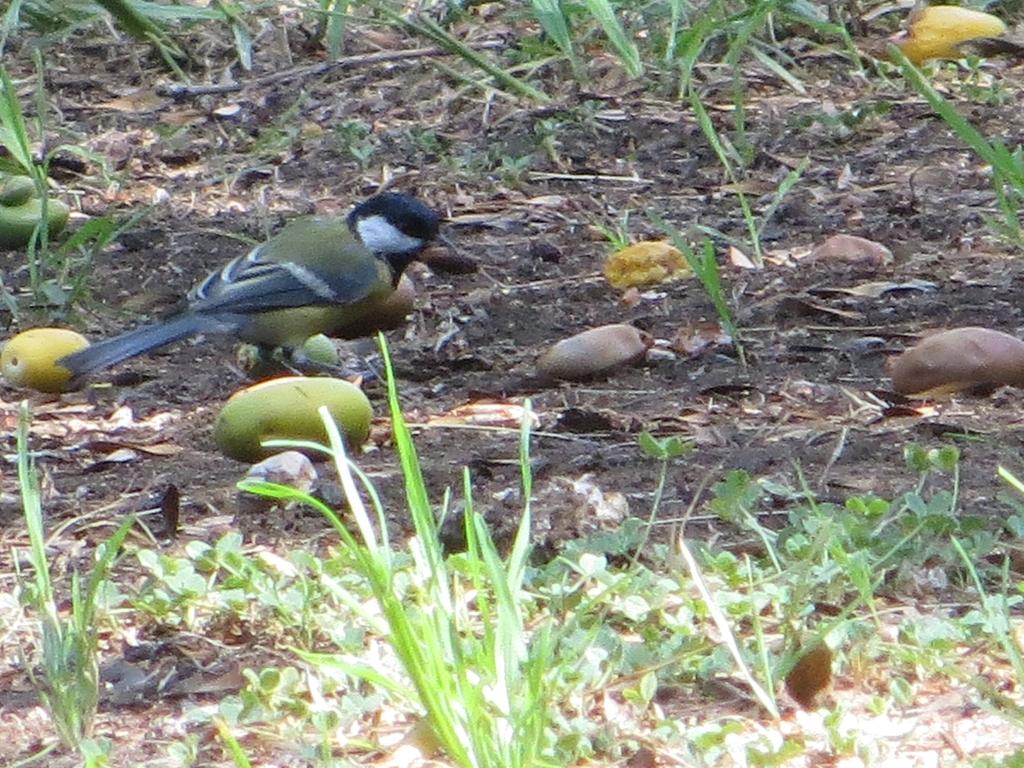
x=314, y=276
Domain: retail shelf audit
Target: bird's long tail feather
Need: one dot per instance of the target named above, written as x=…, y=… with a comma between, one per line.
x=108, y=352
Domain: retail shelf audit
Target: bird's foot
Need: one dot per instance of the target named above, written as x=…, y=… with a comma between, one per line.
x=356, y=367
x=320, y=359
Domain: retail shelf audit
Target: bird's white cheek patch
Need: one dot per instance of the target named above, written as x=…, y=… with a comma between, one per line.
x=381, y=236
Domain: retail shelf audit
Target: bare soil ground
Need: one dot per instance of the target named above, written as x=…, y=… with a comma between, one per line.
x=813, y=397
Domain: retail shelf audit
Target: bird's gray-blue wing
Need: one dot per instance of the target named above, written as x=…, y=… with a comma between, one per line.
x=250, y=283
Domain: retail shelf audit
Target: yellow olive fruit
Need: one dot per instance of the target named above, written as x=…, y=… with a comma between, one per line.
x=18, y=222
x=935, y=32
x=287, y=409
x=643, y=264
x=30, y=358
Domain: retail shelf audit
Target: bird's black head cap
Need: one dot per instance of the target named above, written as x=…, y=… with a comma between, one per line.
x=409, y=216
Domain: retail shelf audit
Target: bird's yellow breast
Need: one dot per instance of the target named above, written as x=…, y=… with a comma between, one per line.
x=290, y=327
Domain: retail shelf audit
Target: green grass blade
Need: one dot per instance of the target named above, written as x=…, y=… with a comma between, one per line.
x=551, y=17
x=334, y=22
x=780, y=193
x=675, y=20
x=239, y=32
x=626, y=49
x=778, y=70
x=705, y=267
x=131, y=21
x=231, y=744
x=10, y=22
x=13, y=130
x=428, y=28
x=993, y=153
x=144, y=29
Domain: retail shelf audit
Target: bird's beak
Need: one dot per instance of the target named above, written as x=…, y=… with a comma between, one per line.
x=447, y=259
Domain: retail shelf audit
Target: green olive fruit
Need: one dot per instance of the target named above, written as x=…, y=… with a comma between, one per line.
x=260, y=364
x=30, y=358
x=320, y=349
x=18, y=222
x=287, y=409
x=16, y=190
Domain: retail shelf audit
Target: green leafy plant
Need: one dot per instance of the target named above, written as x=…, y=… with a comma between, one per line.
x=14, y=137
x=58, y=274
x=705, y=266
x=68, y=680
x=476, y=671
x=616, y=233
x=354, y=136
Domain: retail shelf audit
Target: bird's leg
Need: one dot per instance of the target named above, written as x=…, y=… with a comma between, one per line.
x=300, y=362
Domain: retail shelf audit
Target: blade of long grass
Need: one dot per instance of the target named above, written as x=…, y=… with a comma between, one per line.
x=675, y=20
x=705, y=267
x=136, y=24
x=995, y=608
x=692, y=44
x=335, y=17
x=707, y=127
x=69, y=685
x=239, y=32
x=31, y=499
x=746, y=25
x=428, y=28
x=145, y=30
x=780, y=193
x=9, y=23
x=13, y=131
x=625, y=48
x=238, y=756
x=725, y=630
x=805, y=12
x=778, y=70
x=992, y=152
x=551, y=17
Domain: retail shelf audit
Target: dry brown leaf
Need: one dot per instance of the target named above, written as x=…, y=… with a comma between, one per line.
x=119, y=456
x=137, y=101
x=484, y=413
x=694, y=340
x=796, y=306
x=879, y=288
x=740, y=260
x=154, y=449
